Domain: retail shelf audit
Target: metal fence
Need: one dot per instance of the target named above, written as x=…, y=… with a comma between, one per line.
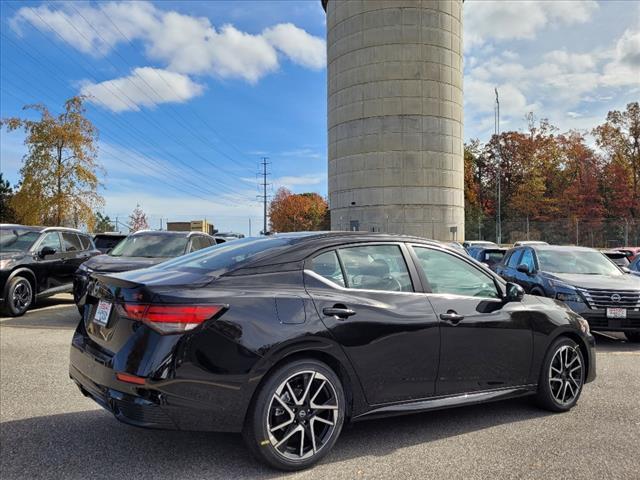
x=598, y=233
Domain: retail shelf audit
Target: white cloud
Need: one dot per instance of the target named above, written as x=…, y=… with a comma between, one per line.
x=186, y=44
x=298, y=45
x=299, y=180
x=146, y=86
x=624, y=67
x=502, y=20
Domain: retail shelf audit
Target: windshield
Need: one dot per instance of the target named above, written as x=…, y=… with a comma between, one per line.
x=226, y=256
x=578, y=261
x=151, y=246
x=17, y=240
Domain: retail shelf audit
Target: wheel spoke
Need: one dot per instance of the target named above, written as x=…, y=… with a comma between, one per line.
x=289, y=435
x=308, y=387
x=293, y=395
x=323, y=420
x=554, y=369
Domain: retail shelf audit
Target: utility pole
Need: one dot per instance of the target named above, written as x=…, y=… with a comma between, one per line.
x=264, y=195
x=497, y=132
x=249, y=226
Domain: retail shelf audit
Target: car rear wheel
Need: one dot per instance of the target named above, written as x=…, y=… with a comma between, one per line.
x=633, y=337
x=18, y=297
x=296, y=416
x=562, y=376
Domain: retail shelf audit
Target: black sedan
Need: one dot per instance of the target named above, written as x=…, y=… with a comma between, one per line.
x=286, y=338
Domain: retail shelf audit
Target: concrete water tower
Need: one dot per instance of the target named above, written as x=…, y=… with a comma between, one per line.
x=395, y=116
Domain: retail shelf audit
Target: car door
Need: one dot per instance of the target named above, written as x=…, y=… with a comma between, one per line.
x=485, y=343
x=368, y=296
x=49, y=268
x=74, y=254
x=524, y=279
x=509, y=271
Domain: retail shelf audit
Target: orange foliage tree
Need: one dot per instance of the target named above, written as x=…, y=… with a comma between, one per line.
x=290, y=212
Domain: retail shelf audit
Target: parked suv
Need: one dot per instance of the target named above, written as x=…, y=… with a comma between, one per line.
x=37, y=262
x=140, y=250
x=107, y=240
x=585, y=279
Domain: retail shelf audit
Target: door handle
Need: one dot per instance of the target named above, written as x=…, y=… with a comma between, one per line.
x=452, y=317
x=339, y=312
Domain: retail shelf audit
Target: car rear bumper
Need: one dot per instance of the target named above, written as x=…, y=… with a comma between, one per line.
x=170, y=404
x=598, y=321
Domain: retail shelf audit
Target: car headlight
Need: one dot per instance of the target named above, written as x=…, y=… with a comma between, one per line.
x=566, y=293
x=584, y=325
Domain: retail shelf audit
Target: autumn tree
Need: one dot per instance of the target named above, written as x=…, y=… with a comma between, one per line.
x=289, y=212
x=138, y=220
x=59, y=182
x=7, y=215
x=619, y=139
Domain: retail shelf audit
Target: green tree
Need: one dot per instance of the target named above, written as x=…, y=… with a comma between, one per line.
x=59, y=176
x=103, y=223
x=7, y=215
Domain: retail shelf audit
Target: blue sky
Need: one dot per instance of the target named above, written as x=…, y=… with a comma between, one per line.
x=188, y=96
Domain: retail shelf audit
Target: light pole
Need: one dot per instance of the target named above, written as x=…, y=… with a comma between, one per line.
x=497, y=132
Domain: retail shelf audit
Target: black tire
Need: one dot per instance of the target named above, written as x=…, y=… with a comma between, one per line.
x=18, y=297
x=633, y=337
x=561, y=398
x=264, y=409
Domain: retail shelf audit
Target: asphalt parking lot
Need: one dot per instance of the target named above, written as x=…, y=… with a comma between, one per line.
x=49, y=430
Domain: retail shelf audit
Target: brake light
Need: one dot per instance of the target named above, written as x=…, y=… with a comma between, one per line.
x=171, y=318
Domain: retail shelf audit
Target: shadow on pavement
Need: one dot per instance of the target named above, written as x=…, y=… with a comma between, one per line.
x=92, y=444
x=54, y=312
x=614, y=342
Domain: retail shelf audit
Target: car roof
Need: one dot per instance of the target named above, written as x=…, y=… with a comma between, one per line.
x=169, y=233
x=560, y=248
x=36, y=228
x=111, y=234
x=303, y=244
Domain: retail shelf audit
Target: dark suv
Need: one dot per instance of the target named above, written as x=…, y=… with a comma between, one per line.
x=37, y=262
x=585, y=279
x=140, y=250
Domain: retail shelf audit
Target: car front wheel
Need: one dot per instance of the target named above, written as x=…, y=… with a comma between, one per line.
x=18, y=297
x=297, y=415
x=562, y=376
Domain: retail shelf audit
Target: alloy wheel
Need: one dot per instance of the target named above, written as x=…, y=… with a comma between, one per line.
x=22, y=295
x=565, y=375
x=302, y=415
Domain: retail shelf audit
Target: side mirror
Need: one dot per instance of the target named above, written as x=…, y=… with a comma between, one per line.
x=46, y=251
x=523, y=268
x=515, y=293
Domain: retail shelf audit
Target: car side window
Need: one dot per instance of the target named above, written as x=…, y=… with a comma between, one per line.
x=328, y=266
x=71, y=242
x=376, y=267
x=527, y=259
x=85, y=241
x=197, y=243
x=514, y=259
x=52, y=240
x=451, y=275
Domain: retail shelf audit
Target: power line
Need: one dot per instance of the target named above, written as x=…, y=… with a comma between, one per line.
x=133, y=103
x=177, y=117
x=195, y=113
x=198, y=174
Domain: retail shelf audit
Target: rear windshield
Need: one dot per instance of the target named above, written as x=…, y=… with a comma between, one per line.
x=151, y=245
x=17, y=240
x=106, y=241
x=226, y=256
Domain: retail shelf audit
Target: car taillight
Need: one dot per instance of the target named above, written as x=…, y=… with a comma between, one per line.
x=171, y=318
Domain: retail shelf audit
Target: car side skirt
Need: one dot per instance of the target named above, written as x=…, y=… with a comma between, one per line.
x=67, y=288
x=439, y=403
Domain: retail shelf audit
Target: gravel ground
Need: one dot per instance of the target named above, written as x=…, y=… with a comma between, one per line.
x=49, y=430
